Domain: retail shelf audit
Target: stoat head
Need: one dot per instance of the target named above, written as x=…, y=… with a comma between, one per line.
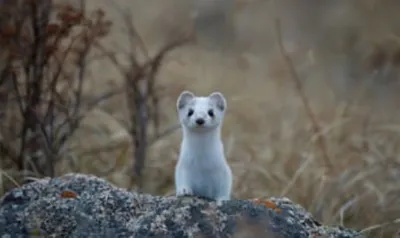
x=201, y=114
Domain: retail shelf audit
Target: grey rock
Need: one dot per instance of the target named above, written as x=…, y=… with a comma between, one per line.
x=77, y=205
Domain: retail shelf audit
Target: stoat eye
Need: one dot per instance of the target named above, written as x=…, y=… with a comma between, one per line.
x=211, y=113
x=190, y=112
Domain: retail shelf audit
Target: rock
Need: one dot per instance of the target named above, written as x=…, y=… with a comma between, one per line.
x=77, y=205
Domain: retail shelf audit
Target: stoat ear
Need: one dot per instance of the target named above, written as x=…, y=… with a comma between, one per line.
x=183, y=99
x=219, y=100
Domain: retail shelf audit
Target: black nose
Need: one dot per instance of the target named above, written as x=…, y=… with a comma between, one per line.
x=200, y=121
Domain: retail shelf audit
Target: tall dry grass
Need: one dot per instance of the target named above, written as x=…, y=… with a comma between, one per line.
x=345, y=55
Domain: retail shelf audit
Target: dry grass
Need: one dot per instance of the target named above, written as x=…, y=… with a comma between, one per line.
x=346, y=56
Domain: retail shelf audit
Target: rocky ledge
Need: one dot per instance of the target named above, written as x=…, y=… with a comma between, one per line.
x=77, y=205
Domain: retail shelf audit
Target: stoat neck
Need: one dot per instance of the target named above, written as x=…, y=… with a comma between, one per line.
x=204, y=141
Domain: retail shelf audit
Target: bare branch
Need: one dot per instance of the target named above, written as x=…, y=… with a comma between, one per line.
x=299, y=87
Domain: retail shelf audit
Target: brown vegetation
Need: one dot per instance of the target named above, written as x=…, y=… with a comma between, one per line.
x=312, y=117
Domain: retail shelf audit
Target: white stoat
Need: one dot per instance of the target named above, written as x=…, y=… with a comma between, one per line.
x=202, y=169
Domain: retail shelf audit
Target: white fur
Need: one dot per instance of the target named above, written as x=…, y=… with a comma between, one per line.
x=202, y=169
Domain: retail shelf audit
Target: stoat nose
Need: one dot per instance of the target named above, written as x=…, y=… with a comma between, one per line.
x=200, y=121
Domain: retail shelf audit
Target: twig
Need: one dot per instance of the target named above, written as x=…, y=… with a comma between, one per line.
x=2, y=172
x=299, y=87
x=163, y=134
x=135, y=38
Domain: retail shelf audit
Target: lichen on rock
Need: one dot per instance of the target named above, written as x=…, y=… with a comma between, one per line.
x=77, y=205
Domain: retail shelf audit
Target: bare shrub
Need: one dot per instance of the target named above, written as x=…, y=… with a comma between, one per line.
x=142, y=92
x=44, y=49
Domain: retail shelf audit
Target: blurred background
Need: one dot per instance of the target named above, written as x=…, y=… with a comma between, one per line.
x=316, y=121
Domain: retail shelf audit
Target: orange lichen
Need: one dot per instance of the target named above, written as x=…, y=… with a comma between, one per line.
x=268, y=204
x=69, y=194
